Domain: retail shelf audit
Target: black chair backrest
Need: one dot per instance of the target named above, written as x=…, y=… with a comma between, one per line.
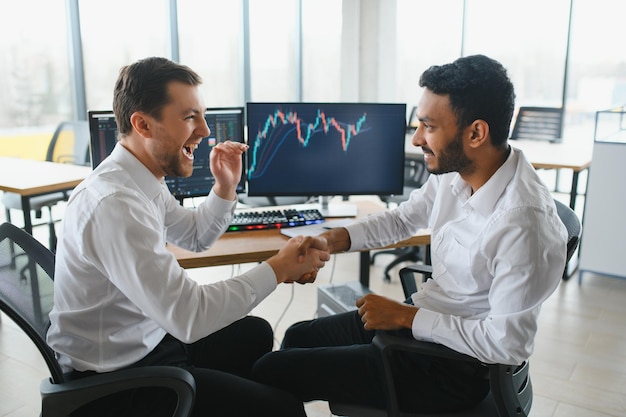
x=572, y=224
x=539, y=123
x=70, y=134
x=26, y=288
x=511, y=389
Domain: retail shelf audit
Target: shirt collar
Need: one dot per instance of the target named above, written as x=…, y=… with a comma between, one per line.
x=138, y=172
x=484, y=200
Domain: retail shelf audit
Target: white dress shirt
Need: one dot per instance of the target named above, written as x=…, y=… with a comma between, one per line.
x=496, y=256
x=118, y=290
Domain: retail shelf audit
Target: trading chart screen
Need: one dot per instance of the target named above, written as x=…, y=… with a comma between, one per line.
x=325, y=148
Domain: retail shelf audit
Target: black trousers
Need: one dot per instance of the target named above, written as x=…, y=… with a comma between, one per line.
x=220, y=364
x=332, y=358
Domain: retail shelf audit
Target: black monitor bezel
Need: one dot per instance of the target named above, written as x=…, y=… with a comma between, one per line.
x=322, y=191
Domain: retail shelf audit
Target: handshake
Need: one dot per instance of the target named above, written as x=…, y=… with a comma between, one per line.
x=300, y=259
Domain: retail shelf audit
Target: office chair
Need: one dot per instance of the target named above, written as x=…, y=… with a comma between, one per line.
x=538, y=123
x=415, y=175
x=28, y=304
x=511, y=387
x=69, y=144
x=574, y=231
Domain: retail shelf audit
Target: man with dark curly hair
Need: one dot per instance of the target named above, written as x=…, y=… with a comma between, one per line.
x=497, y=247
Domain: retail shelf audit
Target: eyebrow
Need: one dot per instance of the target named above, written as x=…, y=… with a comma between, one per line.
x=193, y=110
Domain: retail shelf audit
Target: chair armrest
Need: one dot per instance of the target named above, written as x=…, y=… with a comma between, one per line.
x=386, y=342
x=63, y=398
x=407, y=277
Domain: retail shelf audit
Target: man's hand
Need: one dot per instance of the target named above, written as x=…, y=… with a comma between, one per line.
x=226, y=166
x=381, y=313
x=290, y=265
x=306, y=244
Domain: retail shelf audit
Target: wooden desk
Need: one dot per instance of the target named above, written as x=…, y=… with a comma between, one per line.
x=30, y=178
x=258, y=245
x=546, y=155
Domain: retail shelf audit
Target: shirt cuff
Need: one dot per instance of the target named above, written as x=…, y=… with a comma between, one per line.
x=214, y=197
x=357, y=236
x=423, y=324
x=262, y=279
x=219, y=205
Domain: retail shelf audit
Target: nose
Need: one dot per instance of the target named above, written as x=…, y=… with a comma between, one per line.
x=418, y=137
x=203, y=128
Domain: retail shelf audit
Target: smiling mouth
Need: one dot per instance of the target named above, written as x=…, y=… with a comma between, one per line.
x=189, y=149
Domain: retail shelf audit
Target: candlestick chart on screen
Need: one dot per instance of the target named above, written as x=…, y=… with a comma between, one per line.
x=323, y=148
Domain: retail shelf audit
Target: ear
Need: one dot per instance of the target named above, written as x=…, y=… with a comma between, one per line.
x=479, y=133
x=141, y=123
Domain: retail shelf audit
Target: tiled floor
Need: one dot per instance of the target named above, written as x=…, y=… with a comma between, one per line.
x=578, y=368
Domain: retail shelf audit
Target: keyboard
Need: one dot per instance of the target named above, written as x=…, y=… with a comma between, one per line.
x=274, y=219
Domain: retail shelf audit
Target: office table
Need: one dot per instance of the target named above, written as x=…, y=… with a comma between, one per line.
x=258, y=245
x=30, y=178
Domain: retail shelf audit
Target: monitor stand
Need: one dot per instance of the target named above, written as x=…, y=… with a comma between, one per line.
x=329, y=209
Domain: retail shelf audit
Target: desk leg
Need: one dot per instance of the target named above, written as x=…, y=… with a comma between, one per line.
x=28, y=225
x=364, y=268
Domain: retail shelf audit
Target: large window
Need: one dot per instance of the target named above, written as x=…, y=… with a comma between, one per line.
x=531, y=46
x=274, y=48
x=597, y=63
x=311, y=50
x=321, y=48
x=116, y=33
x=34, y=71
x=429, y=33
x=211, y=42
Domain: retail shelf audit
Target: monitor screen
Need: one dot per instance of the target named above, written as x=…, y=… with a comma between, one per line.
x=225, y=124
x=102, y=135
x=325, y=149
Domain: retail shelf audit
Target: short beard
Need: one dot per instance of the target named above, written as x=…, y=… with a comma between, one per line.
x=453, y=159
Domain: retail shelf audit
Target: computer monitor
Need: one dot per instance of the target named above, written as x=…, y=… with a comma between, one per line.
x=102, y=135
x=325, y=149
x=226, y=123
